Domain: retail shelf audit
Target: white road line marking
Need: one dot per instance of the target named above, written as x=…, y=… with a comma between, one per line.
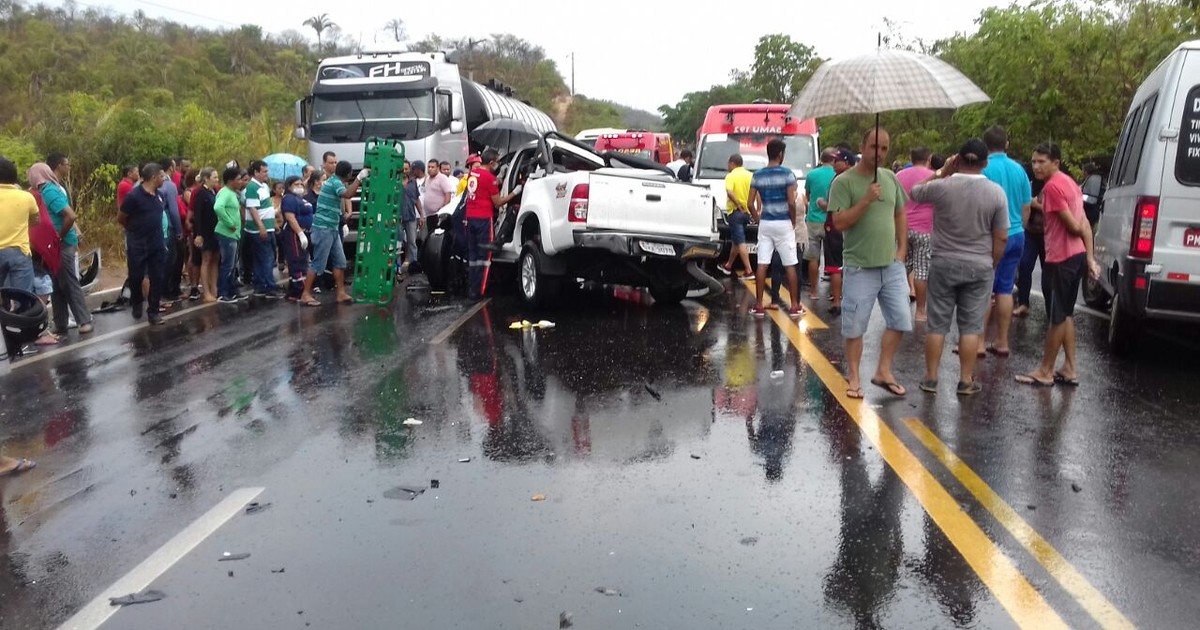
x=466, y=317
x=99, y=610
x=46, y=354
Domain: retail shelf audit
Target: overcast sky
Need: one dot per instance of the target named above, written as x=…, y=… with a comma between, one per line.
x=643, y=53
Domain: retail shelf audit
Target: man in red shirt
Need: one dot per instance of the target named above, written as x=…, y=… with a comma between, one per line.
x=126, y=184
x=483, y=200
x=1068, y=257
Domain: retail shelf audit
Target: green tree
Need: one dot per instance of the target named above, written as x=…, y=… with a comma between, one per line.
x=320, y=24
x=684, y=118
x=781, y=67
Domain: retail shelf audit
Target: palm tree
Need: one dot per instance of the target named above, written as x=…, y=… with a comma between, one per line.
x=319, y=23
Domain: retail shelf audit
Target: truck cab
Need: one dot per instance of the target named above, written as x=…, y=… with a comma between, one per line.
x=655, y=147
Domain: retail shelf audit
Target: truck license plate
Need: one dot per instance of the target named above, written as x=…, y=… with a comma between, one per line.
x=662, y=249
x=1191, y=237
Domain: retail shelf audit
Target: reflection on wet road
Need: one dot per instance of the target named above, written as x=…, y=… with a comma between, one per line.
x=698, y=468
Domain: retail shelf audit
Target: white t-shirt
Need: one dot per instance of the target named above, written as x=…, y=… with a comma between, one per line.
x=675, y=166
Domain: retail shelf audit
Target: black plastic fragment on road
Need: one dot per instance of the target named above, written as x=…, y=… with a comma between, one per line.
x=145, y=597
x=608, y=592
x=404, y=493
x=749, y=540
x=1076, y=487
x=435, y=484
x=564, y=620
x=256, y=507
x=280, y=570
x=695, y=457
x=233, y=557
x=653, y=392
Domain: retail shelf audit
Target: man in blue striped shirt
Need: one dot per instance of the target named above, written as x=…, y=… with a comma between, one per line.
x=773, y=204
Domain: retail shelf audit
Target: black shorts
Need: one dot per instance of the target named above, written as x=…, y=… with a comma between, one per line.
x=1060, y=284
x=211, y=243
x=833, y=251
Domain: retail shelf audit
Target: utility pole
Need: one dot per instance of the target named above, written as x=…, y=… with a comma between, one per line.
x=572, y=73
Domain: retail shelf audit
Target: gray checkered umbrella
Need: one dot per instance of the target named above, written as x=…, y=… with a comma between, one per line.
x=883, y=81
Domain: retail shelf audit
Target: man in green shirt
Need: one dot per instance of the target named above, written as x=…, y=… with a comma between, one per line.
x=228, y=209
x=260, y=225
x=816, y=190
x=867, y=203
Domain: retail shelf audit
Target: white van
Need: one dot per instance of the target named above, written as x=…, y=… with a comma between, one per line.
x=1148, y=238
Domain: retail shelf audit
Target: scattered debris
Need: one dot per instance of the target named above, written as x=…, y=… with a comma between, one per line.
x=694, y=456
x=1031, y=507
x=404, y=493
x=173, y=495
x=544, y=324
x=370, y=500
x=519, y=600
x=749, y=541
x=280, y=570
x=413, y=422
x=231, y=557
x=231, y=574
x=144, y=597
x=464, y=460
x=608, y=592
x=434, y=483
x=133, y=493
x=564, y=620
x=653, y=392
x=777, y=374
x=538, y=497
x=1076, y=487
x=256, y=507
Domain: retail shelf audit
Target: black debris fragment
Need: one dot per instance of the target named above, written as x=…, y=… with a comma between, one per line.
x=145, y=597
x=435, y=484
x=1076, y=487
x=749, y=541
x=280, y=570
x=564, y=620
x=233, y=556
x=695, y=457
x=653, y=392
x=608, y=592
x=256, y=507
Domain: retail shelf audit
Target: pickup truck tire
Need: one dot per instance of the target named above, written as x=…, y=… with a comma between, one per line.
x=668, y=296
x=538, y=289
x=435, y=259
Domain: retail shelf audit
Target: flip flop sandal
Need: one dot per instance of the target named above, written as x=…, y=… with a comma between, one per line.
x=1026, y=379
x=312, y=303
x=23, y=465
x=1061, y=379
x=1003, y=354
x=929, y=386
x=892, y=387
x=854, y=394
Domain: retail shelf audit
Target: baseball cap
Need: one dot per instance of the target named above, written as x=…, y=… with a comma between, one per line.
x=419, y=165
x=843, y=155
x=473, y=159
x=973, y=151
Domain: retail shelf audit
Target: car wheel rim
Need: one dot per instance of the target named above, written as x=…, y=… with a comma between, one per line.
x=528, y=277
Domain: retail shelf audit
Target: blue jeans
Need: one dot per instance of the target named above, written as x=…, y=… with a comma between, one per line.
x=147, y=259
x=409, y=231
x=226, y=280
x=16, y=269
x=1035, y=250
x=738, y=221
x=479, y=233
x=263, y=262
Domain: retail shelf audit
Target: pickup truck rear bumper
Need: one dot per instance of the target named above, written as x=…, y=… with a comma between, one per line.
x=638, y=245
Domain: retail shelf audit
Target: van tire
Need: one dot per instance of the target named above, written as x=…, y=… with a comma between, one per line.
x=537, y=288
x=1122, y=329
x=668, y=296
x=1094, y=294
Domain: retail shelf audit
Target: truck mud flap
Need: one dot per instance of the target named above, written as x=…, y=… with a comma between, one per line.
x=714, y=287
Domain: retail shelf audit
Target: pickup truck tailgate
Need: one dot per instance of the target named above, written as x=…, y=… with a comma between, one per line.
x=649, y=206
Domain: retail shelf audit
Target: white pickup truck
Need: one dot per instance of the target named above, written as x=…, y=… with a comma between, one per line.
x=590, y=216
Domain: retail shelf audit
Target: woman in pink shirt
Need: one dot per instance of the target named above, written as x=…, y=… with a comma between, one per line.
x=920, y=227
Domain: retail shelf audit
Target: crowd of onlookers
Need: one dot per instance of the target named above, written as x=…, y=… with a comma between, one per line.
x=957, y=237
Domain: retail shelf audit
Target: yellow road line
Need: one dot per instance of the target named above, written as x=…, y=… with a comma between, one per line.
x=1092, y=600
x=811, y=321
x=1011, y=588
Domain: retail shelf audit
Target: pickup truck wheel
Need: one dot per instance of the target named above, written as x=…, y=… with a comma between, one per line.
x=538, y=289
x=1122, y=329
x=435, y=259
x=668, y=296
x=1094, y=294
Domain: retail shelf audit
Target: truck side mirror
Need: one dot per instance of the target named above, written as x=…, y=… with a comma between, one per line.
x=457, y=126
x=299, y=133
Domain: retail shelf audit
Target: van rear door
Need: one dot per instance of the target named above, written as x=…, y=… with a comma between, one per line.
x=1177, y=234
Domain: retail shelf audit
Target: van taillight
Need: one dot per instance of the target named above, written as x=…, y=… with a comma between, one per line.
x=1145, y=223
x=579, y=204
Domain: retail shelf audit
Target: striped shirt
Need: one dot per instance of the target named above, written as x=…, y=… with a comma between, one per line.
x=772, y=184
x=329, y=205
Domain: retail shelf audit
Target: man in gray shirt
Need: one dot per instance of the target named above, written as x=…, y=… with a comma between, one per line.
x=970, y=231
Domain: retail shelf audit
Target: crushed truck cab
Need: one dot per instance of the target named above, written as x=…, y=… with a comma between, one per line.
x=585, y=215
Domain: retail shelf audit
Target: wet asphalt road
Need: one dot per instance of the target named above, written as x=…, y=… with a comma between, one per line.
x=699, y=470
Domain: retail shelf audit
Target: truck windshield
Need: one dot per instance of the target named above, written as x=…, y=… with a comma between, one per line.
x=716, y=149
x=356, y=117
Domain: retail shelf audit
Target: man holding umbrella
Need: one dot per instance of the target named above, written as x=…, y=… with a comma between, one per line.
x=867, y=205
